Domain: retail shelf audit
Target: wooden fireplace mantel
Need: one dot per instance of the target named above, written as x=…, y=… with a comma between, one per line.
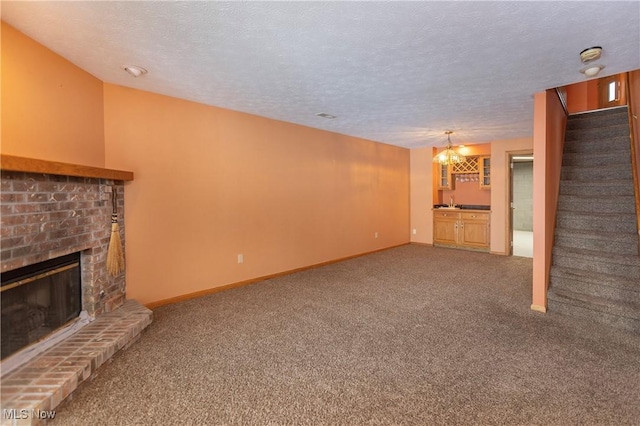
x=32, y=165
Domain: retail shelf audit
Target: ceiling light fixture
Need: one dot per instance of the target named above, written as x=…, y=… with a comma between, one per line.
x=134, y=70
x=448, y=155
x=589, y=55
x=592, y=70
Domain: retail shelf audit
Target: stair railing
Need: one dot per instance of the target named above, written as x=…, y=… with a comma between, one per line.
x=562, y=95
x=633, y=103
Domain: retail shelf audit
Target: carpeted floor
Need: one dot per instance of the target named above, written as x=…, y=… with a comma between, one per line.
x=392, y=338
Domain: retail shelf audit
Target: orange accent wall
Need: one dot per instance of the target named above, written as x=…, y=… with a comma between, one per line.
x=466, y=193
x=548, y=139
x=582, y=96
x=212, y=184
x=51, y=109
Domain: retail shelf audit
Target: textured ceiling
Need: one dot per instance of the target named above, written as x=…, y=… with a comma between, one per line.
x=395, y=72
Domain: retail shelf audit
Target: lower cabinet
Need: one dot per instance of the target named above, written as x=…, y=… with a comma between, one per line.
x=468, y=229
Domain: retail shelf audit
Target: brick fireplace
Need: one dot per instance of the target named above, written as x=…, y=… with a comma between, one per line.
x=46, y=216
x=50, y=210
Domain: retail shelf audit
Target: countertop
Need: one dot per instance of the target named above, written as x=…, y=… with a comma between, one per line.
x=462, y=207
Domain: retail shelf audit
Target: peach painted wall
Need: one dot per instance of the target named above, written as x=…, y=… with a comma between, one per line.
x=212, y=183
x=422, y=195
x=51, y=109
x=500, y=151
x=548, y=139
x=582, y=96
x=466, y=193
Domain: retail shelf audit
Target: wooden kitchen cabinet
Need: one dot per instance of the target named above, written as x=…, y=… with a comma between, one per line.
x=445, y=227
x=474, y=229
x=466, y=229
x=445, y=180
x=484, y=168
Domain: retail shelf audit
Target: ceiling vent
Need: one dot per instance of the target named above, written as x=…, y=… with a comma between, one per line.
x=325, y=115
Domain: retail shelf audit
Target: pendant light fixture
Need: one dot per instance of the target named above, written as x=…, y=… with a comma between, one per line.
x=448, y=155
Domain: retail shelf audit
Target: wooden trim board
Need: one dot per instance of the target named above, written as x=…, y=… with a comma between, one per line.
x=32, y=165
x=539, y=308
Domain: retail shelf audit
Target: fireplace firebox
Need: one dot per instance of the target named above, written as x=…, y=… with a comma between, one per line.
x=38, y=299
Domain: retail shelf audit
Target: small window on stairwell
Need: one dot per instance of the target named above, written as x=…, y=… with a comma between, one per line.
x=613, y=91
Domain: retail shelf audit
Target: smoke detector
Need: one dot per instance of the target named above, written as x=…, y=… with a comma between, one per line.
x=590, y=54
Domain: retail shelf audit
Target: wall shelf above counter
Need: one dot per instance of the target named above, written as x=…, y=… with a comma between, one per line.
x=32, y=165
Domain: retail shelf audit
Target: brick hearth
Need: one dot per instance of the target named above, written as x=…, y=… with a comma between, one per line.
x=47, y=380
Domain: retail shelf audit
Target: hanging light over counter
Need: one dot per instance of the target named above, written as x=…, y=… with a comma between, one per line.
x=448, y=155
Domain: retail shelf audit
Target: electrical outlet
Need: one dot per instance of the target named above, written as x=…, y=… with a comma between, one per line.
x=375, y=235
x=415, y=231
x=241, y=258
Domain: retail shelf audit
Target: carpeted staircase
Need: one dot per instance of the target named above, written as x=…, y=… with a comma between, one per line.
x=595, y=272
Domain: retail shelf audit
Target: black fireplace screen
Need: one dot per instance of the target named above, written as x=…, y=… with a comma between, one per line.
x=38, y=299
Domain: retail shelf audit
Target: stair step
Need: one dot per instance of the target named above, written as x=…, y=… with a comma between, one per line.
x=597, y=173
x=625, y=266
x=611, y=187
x=608, y=158
x=601, y=312
x=598, y=119
x=578, y=203
x=622, y=307
x=564, y=274
x=608, y=135
x=604, y=222
x=601, y=112
x=614, y=288
x=626, y=243
x=585, y=145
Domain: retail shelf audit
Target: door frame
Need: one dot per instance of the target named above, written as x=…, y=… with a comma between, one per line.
x=509, y=207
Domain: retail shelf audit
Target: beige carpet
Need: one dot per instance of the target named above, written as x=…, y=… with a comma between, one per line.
x=409, y=336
